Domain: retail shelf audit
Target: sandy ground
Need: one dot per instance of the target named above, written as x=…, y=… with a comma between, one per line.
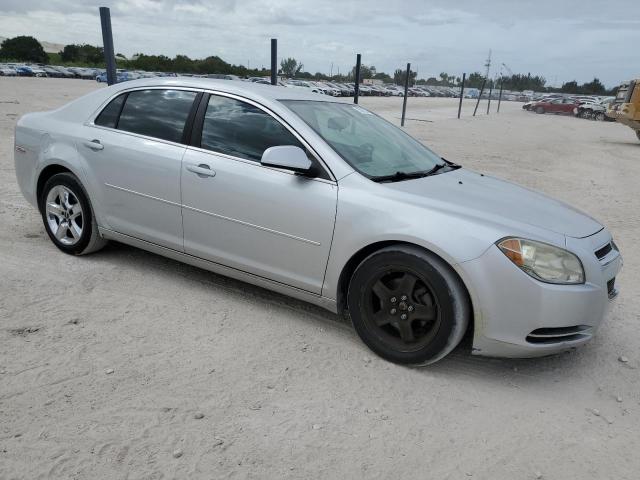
x=286, y=389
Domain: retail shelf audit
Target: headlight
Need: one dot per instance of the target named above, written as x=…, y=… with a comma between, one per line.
x=542, y=261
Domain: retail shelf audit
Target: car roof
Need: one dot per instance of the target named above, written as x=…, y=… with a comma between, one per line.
x=251, y=90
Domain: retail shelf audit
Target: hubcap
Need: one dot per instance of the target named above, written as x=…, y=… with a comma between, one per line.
x=402, y=310
x=64, y=215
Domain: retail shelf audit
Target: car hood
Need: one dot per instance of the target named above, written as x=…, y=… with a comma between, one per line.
x=483, y=196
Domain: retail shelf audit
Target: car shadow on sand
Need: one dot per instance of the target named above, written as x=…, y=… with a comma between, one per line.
x=459, y=363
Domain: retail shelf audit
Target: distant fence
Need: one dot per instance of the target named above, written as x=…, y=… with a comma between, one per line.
x=111, y=77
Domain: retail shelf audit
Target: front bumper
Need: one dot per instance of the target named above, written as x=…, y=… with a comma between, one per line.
x=518, y=316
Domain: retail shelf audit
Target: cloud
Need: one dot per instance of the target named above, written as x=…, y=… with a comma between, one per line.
x=560, y=40
x=441, y=16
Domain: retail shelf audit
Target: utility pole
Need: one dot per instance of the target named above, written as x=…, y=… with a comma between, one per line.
x=107, y=44
x=357, y=89
x=274, y=61
x=464, y=76
x=488, y=65
x=484, y=82
x=406, y=93
x=510, y=72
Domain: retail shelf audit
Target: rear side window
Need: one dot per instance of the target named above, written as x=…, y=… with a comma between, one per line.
x=157, y=113
x=109, y=116
x=239, y=129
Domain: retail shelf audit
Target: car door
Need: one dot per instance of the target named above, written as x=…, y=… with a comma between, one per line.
x=553, y=106
x=134, y=151
x=236, y=212
x=568, y=105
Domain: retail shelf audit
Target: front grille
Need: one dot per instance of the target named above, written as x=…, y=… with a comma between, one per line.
x=559, y=334
x=604, y=251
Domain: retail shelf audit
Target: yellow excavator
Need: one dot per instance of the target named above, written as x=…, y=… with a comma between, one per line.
x=626, y=108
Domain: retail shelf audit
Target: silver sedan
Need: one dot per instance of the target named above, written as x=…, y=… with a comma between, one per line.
x=323, y=201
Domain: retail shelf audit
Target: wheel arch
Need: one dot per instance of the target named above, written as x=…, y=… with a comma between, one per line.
x=45, y=174
x=357, y=258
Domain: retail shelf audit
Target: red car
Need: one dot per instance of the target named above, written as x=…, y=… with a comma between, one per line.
x=557, y=105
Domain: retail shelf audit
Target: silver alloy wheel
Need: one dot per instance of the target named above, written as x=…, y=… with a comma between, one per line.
x=64, y=215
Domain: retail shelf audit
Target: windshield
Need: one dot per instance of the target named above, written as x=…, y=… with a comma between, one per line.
x=622, y=92
x=371, y=145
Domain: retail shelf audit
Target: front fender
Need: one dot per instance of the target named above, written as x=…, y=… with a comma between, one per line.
x=366, y=217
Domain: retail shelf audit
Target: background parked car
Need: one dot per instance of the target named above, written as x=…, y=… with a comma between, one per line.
x=7, y=71
x=24, y=71
x=64, y=72
x=326, y=89
x=303, y=84
x=557, y=105
x=120, y=77
x=595, y=109
x=231, y=77
x=52, y=72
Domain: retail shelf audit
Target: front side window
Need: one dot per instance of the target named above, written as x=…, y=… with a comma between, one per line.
x=622, y=92
x=156, y=113
x=242, y=130
x=365, y=141
x=632, y=86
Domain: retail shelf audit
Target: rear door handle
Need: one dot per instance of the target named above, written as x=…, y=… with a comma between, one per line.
x=94, y=144
x=203, y=170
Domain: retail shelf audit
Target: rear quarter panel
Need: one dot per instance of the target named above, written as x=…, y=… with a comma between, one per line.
x=25, y=154
x=42, y=140
x=49, y=138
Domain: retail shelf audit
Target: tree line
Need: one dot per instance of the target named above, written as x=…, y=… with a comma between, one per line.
x=28, y=49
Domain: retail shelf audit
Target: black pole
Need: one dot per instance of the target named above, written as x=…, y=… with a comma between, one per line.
x=484, y=80
x=357, y=88
x=464, y=76
x=406, y=92
x=500, y=95
x=107, y=42
x=274, y=61
x=490, y=92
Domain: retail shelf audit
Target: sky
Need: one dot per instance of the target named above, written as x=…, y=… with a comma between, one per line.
x=561, y=40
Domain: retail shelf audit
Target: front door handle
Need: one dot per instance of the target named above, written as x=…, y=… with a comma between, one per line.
x=94, y=144
x=203, y=170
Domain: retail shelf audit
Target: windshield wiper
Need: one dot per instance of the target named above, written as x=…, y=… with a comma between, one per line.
x=399, y=176
x=452, y=165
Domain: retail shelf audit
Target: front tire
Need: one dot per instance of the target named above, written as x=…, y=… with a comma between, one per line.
x=540, y=110
x=599, y=116
x=68, y=217
x=408, y=305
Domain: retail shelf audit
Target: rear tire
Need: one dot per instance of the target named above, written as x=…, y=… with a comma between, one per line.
x=408, y=305
x=68, y=217
x=540, y=110
x=599, y=116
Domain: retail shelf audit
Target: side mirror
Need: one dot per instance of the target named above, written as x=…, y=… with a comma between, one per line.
x=288, y=157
